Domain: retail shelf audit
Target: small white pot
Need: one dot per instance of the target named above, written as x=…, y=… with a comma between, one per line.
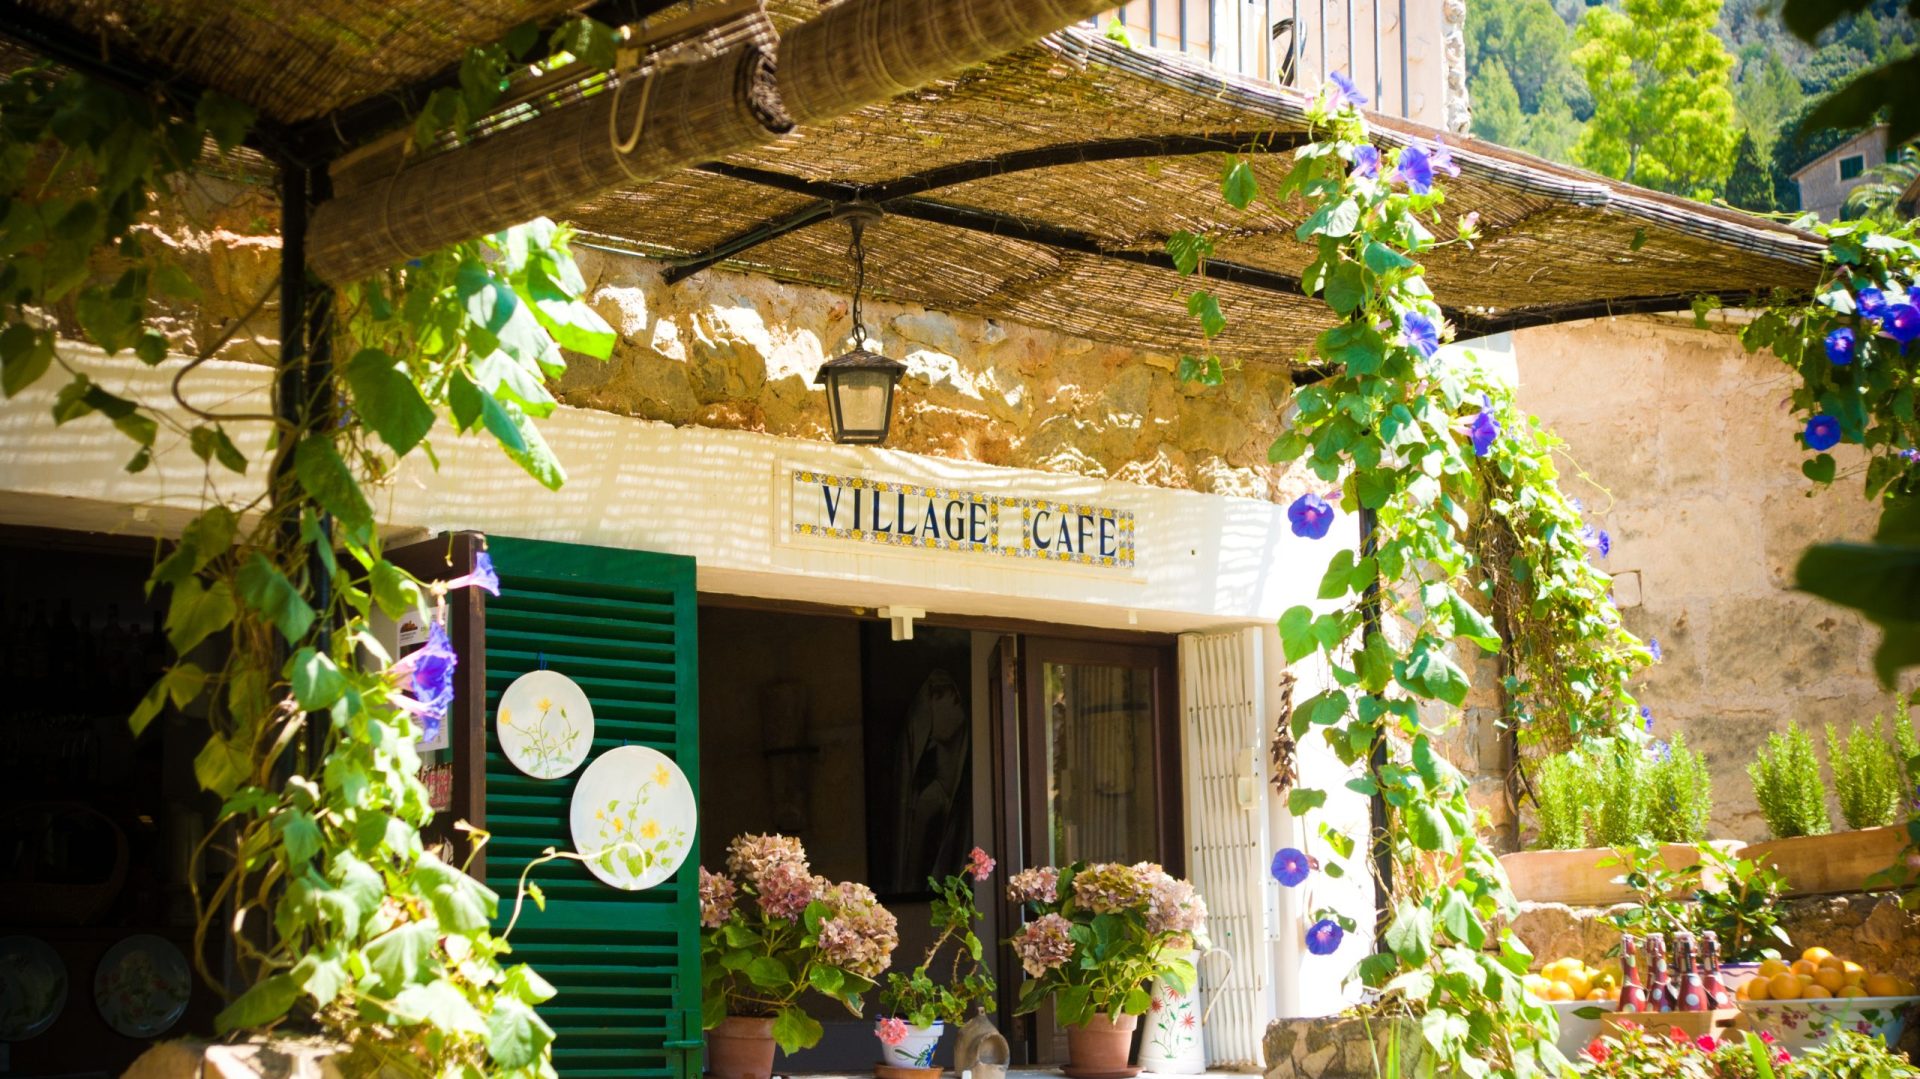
x=918, y=1048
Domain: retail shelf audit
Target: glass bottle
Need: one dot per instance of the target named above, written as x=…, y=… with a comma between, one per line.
x=1717, y=991
x=1633, y=995
x=1692, y=989
x=1660, y=994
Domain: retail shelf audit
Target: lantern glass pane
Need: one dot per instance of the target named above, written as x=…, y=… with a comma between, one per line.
x=864, y=398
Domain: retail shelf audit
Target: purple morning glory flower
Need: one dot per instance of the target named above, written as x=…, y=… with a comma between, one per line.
x=1653, y=645
x=432, y=668
x=1823, y=432
x=1605, y=543
x=1366, y=160
x=1911, y=455
x=1902, y=322
x=1871, y=302
x=1840, y=346
x=1323, y=937
x=1345, y=92
x=1415, y=170
x=1310, y=516
x=1442, y=158
x=1291, y=866
x=1646, y=719
x=1660, y=751
x=1485, y=431
x=1420, y=333
x=482, y=577
x=1913, y=295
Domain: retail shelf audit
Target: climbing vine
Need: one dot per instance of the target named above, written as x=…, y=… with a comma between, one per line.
x=341, y=919
x=1431, y=443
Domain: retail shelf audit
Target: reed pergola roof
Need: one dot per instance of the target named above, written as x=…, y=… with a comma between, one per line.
x=1041, y=187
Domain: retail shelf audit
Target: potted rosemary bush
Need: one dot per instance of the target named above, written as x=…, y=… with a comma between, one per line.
x=1793, y=798
x=1099, y=935
x=771, y=932
x=916, y=1007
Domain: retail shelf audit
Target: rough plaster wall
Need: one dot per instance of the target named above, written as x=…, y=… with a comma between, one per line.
x=736, y=351
x=1682, y=446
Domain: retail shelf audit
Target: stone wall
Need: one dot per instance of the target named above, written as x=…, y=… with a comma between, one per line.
x=737, y=351
x=1682, y=447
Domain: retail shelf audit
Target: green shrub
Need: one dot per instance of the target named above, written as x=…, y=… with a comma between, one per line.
x=1564, y=791
x=1680, y=798
x=1866, y=776
x=1626, y=800
x=1786, y=783
x=1906, y=747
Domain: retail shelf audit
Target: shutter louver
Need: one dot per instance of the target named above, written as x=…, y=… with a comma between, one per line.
x=1226, y=814
x=626, y=965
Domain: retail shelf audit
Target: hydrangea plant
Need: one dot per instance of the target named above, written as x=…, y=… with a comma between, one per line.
x=771, y=933
x=918, y=996
x=1101, y=932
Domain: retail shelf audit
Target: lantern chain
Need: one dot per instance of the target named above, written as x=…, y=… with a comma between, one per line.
x=858, y=253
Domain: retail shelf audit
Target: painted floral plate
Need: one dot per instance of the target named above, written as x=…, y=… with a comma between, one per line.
x=142, y=986
x=1802, y=1024
x=33, y=987
x=545, y=724
x=633, y=817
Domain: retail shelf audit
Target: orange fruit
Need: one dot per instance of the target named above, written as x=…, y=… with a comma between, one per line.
x=1855, y=972
x=1830, y=979
x=1805, y=966
x=1903, y=987
x=1833, y=962
x=1815, y=955
x=1741, y=993
x=1851, y=991
x=1599, y=994
x=1817, y=992
x=1770, y=967
x=1881, y=985
x=1560, y=991
x=1758, y=988
x=1784, y=987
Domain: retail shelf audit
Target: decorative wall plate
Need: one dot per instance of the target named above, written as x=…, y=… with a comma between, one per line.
x=142, y=986
x=633, y=817
x=33, y=987
x=545, y=724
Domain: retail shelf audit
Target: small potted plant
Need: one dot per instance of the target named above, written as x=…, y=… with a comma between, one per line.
x=1793, y=799
x=771, y=932
x=915, y=1007
x=1100, y=934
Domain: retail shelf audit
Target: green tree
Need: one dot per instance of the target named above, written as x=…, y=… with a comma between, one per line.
x=1496, y=105
x=1526, y=36
x=1766, y=96
x=1554, y=130
x=1751, y=185
x=1663, y=102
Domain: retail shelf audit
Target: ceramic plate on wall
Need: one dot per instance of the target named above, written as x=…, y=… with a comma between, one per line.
x=545, y=724
x=33, y=987
x=633, y=817
x=142, y=986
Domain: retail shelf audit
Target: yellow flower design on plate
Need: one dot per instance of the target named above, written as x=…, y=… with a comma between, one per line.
x=650, y=830
x=545, y=704
x=661, y=776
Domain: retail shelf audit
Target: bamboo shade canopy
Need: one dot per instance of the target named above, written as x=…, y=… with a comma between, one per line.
x=1041, y=187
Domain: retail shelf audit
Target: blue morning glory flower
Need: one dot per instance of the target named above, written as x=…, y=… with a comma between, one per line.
x=1310, y=516
x=1913, y=295
x=1902, y=322
x=1660, y=751
x=433, y=668
x=1485, y=431
x=1366, y=160
x=1323, y=937
x=1415, y=170
x=1840, y=346
x=1420, y=333
x=482, y=577
x=1653, y=645
x=1872, y=302
x=1646, y=719
x=1605, y=543
x=1345, y=92
x=1823, y=432
x=1291, y=866
x=1442, y=158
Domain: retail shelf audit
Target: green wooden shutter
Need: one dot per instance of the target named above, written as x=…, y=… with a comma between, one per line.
x=626, y=964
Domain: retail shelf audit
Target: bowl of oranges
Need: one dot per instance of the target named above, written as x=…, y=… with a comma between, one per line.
x=1803, y=1001
x=1573, y=987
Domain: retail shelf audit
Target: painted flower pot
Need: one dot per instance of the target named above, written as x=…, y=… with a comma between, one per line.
x=916, y=1046
x=1802, y=1024
x=1576, y=877
x=1832, y=864
x=1101, y=1047
x=1577, y=1030
x=741, y=1048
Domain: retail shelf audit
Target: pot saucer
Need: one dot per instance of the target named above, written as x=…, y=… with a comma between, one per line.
x=889, y=1071
x=1101, y=1073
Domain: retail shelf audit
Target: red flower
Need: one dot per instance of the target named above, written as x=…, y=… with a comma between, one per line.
x=1627, y=1024
x=1597, y=1050
x=980, y=864
x=1157, y=1005
x=1706, y=1043
x=1677, y=1034
x=1187, y=1020
x=1767, y=1036
x=1781, y=1056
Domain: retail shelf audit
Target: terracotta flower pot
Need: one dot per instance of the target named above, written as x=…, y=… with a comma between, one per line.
x=740, y=1048
x=1101, y=1047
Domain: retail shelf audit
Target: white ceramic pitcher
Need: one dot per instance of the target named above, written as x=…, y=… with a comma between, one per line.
x=1171, y=1038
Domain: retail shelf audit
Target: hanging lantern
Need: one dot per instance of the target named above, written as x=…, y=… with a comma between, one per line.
x=859, y=383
